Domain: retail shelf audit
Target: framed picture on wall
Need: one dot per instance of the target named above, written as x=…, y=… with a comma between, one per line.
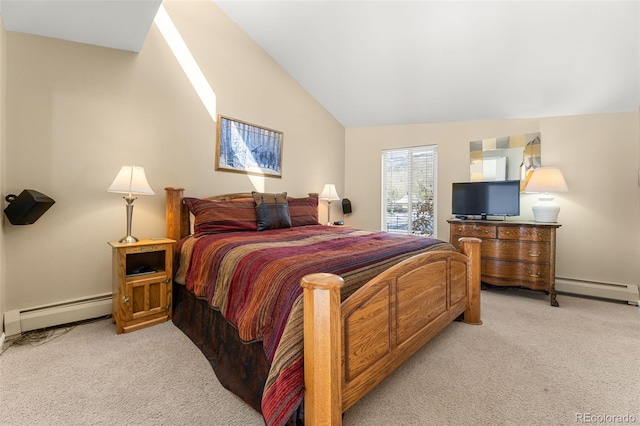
x=243, y=147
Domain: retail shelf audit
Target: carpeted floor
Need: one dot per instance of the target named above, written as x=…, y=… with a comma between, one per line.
x=528, y=364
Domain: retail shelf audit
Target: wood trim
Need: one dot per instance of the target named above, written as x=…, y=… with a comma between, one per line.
x=232, y=196
x=176, y=214
x=471, y=248
x=322, y=369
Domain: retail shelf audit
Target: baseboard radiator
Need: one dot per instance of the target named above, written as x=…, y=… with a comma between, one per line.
x=20, y=321
x=624, y=292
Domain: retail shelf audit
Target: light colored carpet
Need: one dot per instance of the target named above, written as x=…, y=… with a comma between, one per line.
x=528, y=364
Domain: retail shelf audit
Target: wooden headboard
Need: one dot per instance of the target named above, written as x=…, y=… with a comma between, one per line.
x=178, y=214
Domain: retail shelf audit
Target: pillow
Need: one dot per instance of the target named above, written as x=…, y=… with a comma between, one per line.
x=303, y=211
x=272, y=210
x=215, y=216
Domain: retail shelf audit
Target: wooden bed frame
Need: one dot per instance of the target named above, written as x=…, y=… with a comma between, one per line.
x=402, y=309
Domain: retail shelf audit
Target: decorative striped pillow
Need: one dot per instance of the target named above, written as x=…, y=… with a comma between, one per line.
x=216, y=216
x=303, y=211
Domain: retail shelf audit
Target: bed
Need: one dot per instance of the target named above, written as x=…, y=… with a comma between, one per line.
x=301, y=320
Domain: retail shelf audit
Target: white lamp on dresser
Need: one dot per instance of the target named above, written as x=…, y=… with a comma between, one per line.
x=546, y=180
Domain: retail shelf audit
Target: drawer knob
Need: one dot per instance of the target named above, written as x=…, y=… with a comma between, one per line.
x=167, y=281
x=535, y=275
x=537, y=254
x=125, y=299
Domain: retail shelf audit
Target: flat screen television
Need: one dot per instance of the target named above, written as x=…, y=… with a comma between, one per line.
x=500, y=198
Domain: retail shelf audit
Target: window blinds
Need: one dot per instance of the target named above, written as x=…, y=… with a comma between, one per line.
x=409, y=183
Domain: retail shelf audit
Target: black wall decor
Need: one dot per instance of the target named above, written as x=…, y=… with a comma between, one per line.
x=346, y=206
x=27, y=207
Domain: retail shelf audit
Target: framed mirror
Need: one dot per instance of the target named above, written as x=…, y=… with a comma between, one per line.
x=505, y=158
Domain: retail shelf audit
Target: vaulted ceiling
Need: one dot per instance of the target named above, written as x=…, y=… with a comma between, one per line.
x=120, y=24
x=397, y=62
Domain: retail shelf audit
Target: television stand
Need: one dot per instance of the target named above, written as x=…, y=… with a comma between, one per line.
x=514, y=254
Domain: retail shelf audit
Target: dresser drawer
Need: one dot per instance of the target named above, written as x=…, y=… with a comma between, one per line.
x=524, y=233
x=537, y=273
x=473, y=230
x=527, y=251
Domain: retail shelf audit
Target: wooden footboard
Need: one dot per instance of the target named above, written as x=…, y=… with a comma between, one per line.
x=350, y=348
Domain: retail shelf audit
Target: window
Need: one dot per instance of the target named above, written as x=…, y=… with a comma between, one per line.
x=409, y=182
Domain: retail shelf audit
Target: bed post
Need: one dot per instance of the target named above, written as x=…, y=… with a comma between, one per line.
x=471, y=248
x=174, y=213
x=322, y=350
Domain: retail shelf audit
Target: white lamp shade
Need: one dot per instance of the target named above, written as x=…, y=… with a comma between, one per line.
x=547, y=179
x=131, y=180
x=329, y=193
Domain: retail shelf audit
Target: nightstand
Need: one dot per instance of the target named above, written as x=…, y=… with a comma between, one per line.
x=142, y=275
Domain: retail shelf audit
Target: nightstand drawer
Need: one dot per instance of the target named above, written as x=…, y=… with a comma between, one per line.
x=143, y=249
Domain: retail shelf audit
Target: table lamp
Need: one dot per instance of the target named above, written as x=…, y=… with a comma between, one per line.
x=329, y=194
x=130, y=181
x=546, y=180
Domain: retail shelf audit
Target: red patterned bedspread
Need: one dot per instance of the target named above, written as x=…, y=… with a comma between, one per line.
x=253, y=279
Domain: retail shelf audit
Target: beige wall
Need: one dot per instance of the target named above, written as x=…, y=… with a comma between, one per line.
x=599, y=155
x=76, y=113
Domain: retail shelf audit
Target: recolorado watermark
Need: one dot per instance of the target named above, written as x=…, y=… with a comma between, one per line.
x=590, y=418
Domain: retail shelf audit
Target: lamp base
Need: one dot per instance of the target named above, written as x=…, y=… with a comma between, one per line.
x=546, y=210
x=128, y=239
x=329, y=213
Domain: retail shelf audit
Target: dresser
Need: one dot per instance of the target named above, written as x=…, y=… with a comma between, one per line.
x=515, y=254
